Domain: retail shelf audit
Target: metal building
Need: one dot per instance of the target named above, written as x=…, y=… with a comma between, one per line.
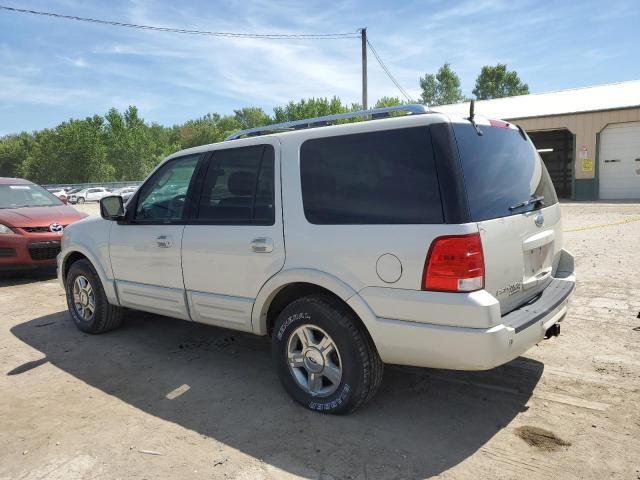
x=589, y=138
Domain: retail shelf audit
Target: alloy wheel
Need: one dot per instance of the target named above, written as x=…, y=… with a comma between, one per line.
x=314, y=361
x=84, y=301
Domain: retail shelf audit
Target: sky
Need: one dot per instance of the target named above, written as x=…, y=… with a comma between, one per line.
x=52, y=69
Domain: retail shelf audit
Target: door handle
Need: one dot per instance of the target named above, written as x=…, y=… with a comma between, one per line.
x=262, y=245
x=164, y=241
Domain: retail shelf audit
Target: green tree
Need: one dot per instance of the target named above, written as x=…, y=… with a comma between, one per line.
x=208, y=129
x=498, y=82
x=309, y=108
x=129, y=144
x=442, y=88
x=388, y=102
x=251, y=117
x=72, y=152
x=13, y=152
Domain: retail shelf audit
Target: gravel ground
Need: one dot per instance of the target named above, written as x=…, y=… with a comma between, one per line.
x=161, y=398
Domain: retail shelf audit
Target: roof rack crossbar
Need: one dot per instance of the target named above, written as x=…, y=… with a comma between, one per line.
x=374, y=113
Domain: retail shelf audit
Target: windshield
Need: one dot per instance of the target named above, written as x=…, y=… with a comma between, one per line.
x=503, y=173
x=25, y=195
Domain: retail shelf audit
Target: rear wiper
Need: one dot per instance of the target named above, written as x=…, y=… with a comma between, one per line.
x=533, y=200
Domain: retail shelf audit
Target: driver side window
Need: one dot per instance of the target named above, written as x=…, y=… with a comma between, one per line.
x=162, y=197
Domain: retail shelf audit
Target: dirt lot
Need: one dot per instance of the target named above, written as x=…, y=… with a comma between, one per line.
x=162, y=398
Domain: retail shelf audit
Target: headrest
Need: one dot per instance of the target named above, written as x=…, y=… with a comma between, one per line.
x=241, y=183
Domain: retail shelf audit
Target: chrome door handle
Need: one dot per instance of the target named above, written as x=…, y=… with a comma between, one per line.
x=164, y=241
x=262, y=245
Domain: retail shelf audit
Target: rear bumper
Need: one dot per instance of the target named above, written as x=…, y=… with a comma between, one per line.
x=425, y=343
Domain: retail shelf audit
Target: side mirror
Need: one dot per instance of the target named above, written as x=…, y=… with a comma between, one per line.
x=112, y=207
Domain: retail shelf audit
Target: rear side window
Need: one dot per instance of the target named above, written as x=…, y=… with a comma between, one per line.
x=383, y=177
x=501, y=170
x=238, y=187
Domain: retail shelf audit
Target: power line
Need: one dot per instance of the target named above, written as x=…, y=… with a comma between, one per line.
x=386, y=70
x=267, y=36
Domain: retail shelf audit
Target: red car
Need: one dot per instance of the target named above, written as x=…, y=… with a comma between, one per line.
x=31, y=224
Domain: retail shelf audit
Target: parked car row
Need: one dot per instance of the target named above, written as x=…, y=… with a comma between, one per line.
x=91, y=194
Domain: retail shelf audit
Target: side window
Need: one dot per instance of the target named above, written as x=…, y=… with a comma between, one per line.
x=383, y=177
x=162, y=197
x=238, y=187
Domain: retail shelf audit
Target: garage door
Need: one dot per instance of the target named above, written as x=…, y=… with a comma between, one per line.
x=620, y=161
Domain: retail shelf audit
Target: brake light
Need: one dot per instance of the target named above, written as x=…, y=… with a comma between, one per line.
x=454, y=264
x=498, y=124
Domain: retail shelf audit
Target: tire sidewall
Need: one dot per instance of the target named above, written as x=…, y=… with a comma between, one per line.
x=306, y=312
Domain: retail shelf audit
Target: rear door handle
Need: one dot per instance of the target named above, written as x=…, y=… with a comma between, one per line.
x=164, y=241
x=262, y=245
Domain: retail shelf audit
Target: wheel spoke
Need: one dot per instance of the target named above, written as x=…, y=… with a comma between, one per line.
x=315, y=382
x=306, y=337
x=296, y=360
x=326, y=347
x=332, y=373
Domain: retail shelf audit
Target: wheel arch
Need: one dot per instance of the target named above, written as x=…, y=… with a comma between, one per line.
x=289, y=285
x=79, y=253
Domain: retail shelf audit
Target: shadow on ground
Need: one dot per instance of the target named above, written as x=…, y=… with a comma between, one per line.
x=421, y=423
x=22, y=277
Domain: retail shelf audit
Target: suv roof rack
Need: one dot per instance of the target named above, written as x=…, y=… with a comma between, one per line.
x=375, y=113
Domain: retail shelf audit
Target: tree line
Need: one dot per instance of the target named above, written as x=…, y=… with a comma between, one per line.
x=121, y=146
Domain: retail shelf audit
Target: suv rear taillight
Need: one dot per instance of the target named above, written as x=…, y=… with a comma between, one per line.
x=454, y=264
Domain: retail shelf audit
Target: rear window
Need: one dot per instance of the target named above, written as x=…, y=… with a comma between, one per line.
x=383, y=177
x=501, y=169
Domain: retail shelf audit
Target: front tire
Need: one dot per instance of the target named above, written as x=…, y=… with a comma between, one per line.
x=80, y=200
x=324, y=357
x=87, y=302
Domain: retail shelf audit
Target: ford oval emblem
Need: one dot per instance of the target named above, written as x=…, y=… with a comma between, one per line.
x=539, y=220
x=55, y=228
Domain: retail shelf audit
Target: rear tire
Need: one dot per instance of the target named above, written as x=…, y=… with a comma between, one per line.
x=318, y=336
x=88, y=305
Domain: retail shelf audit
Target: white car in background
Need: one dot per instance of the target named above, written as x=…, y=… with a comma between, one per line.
x=59, y=192
x=126, y=192
x=93, y=194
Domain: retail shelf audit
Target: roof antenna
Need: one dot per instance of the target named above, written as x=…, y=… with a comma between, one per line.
x=472, y=114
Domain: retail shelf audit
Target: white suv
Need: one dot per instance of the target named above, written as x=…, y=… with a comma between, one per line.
x=424, y=239
x=93, y=194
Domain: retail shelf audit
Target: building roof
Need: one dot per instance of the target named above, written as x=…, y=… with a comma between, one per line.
x=588, y=99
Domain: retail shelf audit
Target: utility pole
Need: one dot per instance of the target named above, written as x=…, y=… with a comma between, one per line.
x=363, y=34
